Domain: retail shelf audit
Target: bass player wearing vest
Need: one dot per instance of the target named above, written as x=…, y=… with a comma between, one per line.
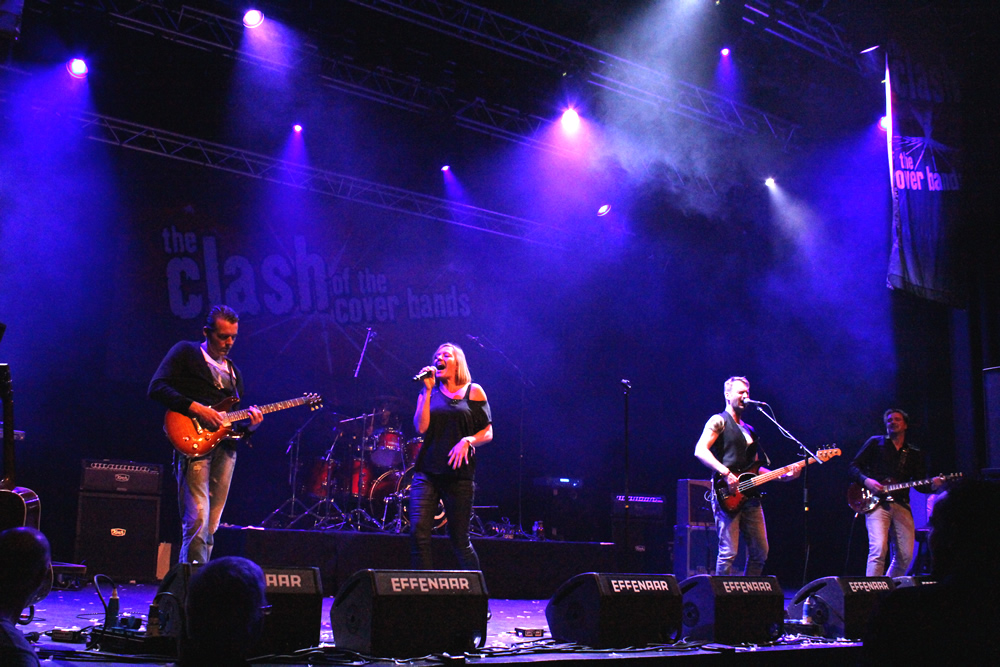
x=190, y=380
x=883, y=459
x=728, y=446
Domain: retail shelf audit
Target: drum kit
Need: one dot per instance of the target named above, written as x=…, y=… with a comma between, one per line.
x=361, y=482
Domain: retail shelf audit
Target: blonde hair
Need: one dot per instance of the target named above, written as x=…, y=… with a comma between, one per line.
x=462, y=374
x=736, y=378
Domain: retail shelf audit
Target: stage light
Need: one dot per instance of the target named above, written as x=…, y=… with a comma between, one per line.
x=446, y=168
x=604, y=210
x=253, y=18
x=769, y=182
x=883, y=122
x=570, y=121
x=725, y=52
x=77, y=68
x=870, y=48
x=297, y=127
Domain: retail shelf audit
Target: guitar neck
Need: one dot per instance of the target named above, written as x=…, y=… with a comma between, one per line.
x=774, y=474
x=889, y=488
x=237, y=415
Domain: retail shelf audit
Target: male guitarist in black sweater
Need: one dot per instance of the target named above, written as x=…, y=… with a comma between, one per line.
x=730, y=447
x=190, y=380
x=884, y=459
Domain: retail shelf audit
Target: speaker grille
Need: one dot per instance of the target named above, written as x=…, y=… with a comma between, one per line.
x=118, y=535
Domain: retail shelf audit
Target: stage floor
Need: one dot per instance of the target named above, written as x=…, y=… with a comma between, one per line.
x=82, y=609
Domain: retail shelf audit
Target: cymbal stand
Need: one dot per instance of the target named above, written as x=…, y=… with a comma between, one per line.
x=358, y=518
x=288, y=514
x=329, y=520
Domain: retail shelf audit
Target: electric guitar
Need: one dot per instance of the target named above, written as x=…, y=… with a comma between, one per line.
x=862, y=500
x=18, y=506
x=750, y=480
x=190, y=438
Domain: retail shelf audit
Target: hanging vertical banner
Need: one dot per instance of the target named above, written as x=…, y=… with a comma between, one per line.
x=923, y=104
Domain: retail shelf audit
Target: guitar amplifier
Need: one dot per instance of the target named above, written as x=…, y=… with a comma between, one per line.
x=107, y=476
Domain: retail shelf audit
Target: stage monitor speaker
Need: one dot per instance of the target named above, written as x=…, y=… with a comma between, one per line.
x=118, y=535
x=693, y=506
x=602, y=610
x=840, y=606
x=410, y=613
x=294, y=593
x=733, y=610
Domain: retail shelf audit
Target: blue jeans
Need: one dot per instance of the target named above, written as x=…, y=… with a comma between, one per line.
x=457, y=495
x=889, y=523
x=202, y=489
x=748, y=523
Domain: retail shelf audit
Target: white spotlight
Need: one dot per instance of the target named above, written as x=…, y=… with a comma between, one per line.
x=769, y=182
x=253, y=18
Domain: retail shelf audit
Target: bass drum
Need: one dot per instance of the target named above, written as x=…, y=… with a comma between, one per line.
x=381, y=503
x=405, y=482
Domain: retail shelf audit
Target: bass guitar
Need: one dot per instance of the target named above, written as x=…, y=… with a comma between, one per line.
x=862, y=500
x=750, y=481
x=190, y=438
x=18, y=506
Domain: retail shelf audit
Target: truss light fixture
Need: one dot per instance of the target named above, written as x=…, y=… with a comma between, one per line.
x=725, y=52
x=570, y=121
x=297, y=127
x=77, y=68
x=883, y=122
x=870, y=48
x=253, y=18
x=769, y=182
x=446, y=168
x=604, y=210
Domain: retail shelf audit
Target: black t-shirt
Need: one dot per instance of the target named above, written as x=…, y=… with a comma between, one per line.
x=451, y=420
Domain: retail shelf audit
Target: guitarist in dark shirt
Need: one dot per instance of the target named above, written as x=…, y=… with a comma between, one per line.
x=190, y=380
x=729, y=447
x=884, y=459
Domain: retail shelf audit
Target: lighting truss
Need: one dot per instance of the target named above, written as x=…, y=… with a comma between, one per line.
x=521, y=40
x=245, y=163
x=808, y=31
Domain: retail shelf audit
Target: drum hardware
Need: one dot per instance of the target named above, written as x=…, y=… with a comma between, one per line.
x=359, y=471
x=293, y=511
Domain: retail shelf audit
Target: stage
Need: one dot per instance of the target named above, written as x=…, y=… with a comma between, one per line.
x=82, y=609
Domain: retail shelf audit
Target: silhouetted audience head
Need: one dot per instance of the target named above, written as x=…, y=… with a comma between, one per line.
x=226, y=605
x=25, y=565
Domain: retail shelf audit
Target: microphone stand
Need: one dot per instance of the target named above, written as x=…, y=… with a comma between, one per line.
x=626, y=388
x=291, y=506
x=358, y=516
x=806, y=454
x=525, y=383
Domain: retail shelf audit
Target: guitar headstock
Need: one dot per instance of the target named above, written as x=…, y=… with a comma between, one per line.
x=827, y=454
x=314, y=401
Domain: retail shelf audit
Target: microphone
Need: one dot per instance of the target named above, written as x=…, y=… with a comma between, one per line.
x=429, y=373
x=750, y=401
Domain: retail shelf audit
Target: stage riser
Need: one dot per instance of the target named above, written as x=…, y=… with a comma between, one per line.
x=513, y=569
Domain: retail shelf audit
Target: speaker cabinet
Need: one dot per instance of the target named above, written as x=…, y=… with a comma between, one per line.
x=294, y=593
x=733, y=610
x=695, y=550
x=646, y=547
x=118, y=535
x=840, y=606
x=616, y=610
x=410, y=613
x=693, y=506
x=991, y=397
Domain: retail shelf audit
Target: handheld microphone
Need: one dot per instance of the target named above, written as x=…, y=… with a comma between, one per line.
x=429, y=373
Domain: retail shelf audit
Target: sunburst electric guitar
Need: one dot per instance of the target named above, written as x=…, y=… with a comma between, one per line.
x=750, y=481
x=190, y=438
x=862, y=501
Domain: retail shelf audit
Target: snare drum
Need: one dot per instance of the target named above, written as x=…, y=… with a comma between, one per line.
x=387, y=448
